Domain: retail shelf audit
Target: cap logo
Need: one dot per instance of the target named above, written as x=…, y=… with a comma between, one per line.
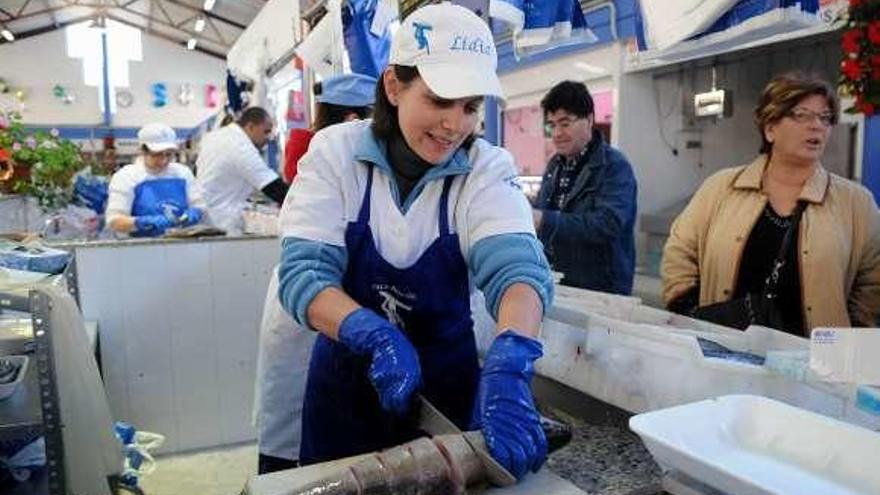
x=462, y=42
x=420, y=36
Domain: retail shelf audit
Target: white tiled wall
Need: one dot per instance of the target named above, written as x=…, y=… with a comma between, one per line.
x=179, y=326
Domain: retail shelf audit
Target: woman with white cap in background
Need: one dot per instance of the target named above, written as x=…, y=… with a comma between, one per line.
x=340, y=99
x=153, y=194
x=390, y=225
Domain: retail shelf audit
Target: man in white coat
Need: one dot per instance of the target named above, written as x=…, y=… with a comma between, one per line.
x=229, y=169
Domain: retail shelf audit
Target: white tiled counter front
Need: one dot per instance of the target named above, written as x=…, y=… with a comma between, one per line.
x=179, y=322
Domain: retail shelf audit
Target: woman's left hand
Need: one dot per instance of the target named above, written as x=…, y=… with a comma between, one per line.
x=505, y=409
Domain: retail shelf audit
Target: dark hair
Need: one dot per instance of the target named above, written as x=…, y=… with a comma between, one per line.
x=571, y=96
x=329, y=114
x=385, y=124
x=254, y=115
x=783, y=93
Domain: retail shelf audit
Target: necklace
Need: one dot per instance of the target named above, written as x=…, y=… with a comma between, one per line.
x=779, y=221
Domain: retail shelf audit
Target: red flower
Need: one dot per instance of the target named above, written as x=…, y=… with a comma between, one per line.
x=851, y=69
x=851, y=41
x=5, y=155
x=855, y=3
x=874, y=32
x=866, y=108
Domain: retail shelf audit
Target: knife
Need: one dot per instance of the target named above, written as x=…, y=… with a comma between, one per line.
x=433, y=422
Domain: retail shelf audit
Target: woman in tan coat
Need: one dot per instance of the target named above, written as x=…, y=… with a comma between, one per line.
x=724, y=246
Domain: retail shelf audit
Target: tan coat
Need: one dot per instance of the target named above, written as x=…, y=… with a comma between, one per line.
x=839, y=242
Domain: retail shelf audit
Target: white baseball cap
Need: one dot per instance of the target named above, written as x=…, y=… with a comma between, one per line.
x=452, y=48
x=157, y=137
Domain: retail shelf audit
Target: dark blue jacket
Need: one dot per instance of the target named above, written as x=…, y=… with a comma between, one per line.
x=591, y=240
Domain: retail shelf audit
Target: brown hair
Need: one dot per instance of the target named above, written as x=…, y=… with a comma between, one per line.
x=783, y=93
x=385, y=123
x=329, y=114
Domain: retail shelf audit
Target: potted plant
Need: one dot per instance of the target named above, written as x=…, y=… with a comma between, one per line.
x=43, y=164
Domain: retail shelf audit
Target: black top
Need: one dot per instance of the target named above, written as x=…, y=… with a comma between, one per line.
x=756, y=264
x=408, y=167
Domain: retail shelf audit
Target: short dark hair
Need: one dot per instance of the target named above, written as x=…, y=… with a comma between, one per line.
x=783, y=93
x=329, y=114
x=254, y=115
x=571, y=96
x=385, y=123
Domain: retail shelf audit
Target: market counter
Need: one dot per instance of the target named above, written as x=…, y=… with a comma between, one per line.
x=179, y=323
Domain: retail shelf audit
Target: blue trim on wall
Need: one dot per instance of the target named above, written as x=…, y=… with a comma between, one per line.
x=92, y=132
x=871, y=156
x=599, y=21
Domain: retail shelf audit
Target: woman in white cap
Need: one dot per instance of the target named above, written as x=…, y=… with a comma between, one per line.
x=389, y=226
x=340, y=99
x=153, y=193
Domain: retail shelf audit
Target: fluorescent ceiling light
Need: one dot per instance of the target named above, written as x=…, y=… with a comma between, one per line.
x=589, y=68
x=7, y=34
x=191, y=44
x=200, y=24
x=209, y=4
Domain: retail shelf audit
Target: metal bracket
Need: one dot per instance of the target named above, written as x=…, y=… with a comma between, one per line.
x=41, y=309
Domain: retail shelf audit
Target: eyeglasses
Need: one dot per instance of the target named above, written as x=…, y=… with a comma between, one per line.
x=804, y=116
x=564, y=123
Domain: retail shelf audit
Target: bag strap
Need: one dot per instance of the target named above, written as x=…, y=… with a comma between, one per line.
x=772, y=281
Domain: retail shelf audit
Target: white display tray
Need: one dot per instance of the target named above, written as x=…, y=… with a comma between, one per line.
x=751, y=445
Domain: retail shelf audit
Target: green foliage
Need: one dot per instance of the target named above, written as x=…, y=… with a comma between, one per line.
x=52, y=162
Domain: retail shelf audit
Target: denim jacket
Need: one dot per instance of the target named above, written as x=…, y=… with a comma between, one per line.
x=591, y=239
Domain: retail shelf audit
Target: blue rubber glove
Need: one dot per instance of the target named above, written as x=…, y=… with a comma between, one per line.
x=505, y=410
x=394, y=371
x=152, y=224
x=191, y=216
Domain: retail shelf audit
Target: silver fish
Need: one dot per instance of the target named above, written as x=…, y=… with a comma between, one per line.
x=442, y=465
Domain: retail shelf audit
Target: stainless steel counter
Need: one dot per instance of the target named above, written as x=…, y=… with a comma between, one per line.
x=151, y=241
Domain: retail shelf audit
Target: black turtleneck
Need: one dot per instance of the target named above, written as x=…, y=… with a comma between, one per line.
x=407, y=165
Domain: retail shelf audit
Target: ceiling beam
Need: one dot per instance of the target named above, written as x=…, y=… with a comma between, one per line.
x=161, y=8
x=45, y=29
x=7, y=13
x=168, y=38
x=23, y=6
x=217, y=31
x=156, y=20
x=52, y=14
x=51, y=10
x=208, y=14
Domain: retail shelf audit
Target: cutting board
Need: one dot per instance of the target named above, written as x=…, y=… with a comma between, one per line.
x=284, y=482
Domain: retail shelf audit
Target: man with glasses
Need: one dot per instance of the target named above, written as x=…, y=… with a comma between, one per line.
x=229, y=169
x=586, y=208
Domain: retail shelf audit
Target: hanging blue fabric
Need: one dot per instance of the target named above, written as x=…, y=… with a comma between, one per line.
x=367, y=51
x=747, y=9
x=235, y=92
x=543, y=24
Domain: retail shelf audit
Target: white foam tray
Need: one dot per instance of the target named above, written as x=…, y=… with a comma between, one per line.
x=751, y=445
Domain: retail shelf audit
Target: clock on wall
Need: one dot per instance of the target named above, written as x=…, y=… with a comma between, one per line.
x=124, y=98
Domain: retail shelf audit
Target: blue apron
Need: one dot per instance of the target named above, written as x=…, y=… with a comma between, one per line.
x=165, y=196
x=430, y=302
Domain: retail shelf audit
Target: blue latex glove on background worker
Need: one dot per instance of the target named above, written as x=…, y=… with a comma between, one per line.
x=505, y=410
x=394, y=370
x=158, y=224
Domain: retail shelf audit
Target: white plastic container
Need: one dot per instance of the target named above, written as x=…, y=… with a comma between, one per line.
x=7, y=389
x=750, y=445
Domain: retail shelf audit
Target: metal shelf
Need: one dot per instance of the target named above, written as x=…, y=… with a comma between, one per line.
x=21, y=414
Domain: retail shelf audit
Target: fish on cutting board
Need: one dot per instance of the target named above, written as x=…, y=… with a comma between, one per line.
x=444, y=464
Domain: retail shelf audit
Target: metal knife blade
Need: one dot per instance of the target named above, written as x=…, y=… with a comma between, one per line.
x=434, y=422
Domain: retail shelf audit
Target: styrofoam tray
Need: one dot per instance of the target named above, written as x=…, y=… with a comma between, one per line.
x=746, y=444
x=7, y=389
